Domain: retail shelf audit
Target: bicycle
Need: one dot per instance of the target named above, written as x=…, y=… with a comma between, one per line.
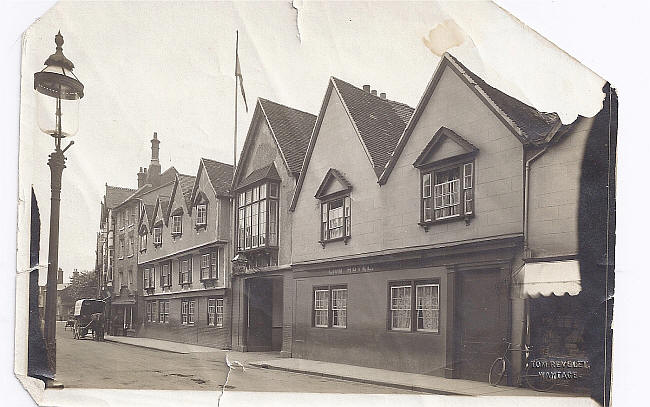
x=533, y=379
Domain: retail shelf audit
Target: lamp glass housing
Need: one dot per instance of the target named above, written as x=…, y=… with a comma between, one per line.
x=47, y=115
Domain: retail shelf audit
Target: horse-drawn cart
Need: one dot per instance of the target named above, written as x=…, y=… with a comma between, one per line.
x=89, y=317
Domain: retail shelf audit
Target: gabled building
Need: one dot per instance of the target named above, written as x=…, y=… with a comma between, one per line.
x=121, y=210
x=264, y=181
x=184, y=259
x=418, y=234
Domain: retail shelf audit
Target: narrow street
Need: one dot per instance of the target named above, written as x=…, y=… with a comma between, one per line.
x=88, y=364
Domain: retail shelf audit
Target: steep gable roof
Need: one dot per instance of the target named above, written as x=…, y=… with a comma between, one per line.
x=116, y=195
x=292, y=129
x=527, y=123
x=220, y=175
x=379, y=123
x=186, y=183
x=148, y=214
x=533, y=124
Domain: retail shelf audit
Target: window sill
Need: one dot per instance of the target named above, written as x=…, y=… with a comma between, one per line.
x=409, y=331
x=143, y=250
x=338, y=239
x=200, y=226
x=429, y=223
x=157, y=245
x=176, y=235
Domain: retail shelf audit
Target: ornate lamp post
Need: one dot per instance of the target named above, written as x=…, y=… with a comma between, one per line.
x=58, y=93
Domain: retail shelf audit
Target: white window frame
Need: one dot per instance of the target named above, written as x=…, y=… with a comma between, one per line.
x=201, y=214
x=343, y=223
x=339, y=307
x=177, y=224
x=212, y=311
x=219, y=313
x=394, y=307
x=456, y=195
x=321, y=305
x=184, y=312
x=205, y=266
x=157, y=235
x=434, y=307
x=143, y=241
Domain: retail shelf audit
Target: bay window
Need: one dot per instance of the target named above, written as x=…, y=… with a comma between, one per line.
x=335, y=219
x=257, y=216
x=447, y=193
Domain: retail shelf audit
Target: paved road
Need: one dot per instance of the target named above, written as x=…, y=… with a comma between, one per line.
x=88, y=364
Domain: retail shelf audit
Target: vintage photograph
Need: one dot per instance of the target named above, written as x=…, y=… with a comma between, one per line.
x=363, y=198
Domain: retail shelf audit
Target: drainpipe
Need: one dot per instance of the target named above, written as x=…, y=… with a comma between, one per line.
x=527, y=252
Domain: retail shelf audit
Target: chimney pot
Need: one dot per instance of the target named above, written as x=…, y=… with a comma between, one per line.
x=374, y=92
x=382, y=95
x=366, y=88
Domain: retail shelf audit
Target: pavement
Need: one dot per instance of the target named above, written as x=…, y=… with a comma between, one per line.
x=388, y=378
x=158, y=344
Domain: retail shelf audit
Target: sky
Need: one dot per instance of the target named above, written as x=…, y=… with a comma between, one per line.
x=168, y=67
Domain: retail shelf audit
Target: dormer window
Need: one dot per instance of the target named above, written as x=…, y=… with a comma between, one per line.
x=335, y=215
x=201, y=214
x=447, y=178
x=448, y=193
x=335, y=219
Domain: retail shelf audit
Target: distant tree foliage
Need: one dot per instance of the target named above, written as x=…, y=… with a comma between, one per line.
x=82, y=285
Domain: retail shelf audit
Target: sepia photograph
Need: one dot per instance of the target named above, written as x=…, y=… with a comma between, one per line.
x=228, y=202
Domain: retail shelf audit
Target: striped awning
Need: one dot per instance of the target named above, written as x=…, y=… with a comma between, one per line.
x=545, y=278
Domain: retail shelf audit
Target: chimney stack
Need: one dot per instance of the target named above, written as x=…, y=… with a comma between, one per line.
x=142, y=177
x=374, y=92
x=382, y=95
x=366, y=88
x=153, y=175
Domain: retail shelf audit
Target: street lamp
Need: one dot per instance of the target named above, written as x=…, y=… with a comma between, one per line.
x=58, y=94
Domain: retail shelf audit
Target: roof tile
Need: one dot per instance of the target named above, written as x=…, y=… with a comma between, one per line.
x=116, y=195
x=292, y=128
x=535, y=125
x=380, y=121
x=220, y=175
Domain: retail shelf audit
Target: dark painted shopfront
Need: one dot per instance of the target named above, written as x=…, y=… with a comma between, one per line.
x=441, y=311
